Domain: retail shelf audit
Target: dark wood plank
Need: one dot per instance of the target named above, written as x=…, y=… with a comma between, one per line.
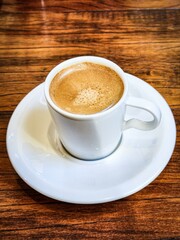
x=83, y=222
x=130, y=27
x=86, y=5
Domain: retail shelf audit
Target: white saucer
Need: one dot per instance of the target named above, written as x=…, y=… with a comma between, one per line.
x=35, y=155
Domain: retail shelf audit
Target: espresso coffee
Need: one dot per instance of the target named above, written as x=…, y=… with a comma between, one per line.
x=86, y=88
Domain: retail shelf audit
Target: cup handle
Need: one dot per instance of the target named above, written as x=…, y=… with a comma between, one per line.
x=147, y=106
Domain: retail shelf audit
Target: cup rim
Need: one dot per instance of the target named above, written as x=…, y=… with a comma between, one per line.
x=80, y=59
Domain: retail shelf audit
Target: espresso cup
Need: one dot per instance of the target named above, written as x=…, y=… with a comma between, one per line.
x=95, y=135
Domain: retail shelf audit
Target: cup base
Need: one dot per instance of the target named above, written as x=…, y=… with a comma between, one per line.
x=63, y=150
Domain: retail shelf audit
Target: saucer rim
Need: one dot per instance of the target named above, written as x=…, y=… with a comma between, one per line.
x=78, y=201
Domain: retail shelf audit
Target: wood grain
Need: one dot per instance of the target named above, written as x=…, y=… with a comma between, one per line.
x=143, y=37
x=86, y=5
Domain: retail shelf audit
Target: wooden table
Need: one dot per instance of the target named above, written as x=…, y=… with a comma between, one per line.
x=143, y=37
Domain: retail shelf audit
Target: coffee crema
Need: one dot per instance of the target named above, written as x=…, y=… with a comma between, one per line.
x=86, y=88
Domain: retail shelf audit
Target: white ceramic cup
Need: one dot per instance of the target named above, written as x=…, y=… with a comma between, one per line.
x=95, y=136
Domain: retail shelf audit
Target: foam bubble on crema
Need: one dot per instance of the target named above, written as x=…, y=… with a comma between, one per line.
x=86, y=96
